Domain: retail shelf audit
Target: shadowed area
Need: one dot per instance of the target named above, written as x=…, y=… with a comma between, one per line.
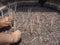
x=5, y=28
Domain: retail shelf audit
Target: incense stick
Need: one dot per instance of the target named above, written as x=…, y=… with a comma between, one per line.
x=15, y=17
x=10, y=14
x=2, y=13
x=14, y=25
x=39, y=24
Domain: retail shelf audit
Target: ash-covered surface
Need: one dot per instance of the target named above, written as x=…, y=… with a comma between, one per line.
x=40, y=25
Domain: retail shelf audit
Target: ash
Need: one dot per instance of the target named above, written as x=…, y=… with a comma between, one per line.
x=39, y=25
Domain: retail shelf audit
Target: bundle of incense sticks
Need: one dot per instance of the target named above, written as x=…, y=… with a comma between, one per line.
x=31, y=23
x=12, y=14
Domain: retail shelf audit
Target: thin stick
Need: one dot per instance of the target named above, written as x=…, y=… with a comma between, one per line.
x=2, y=13
x=15, y=17
x=14, y=22
x=20, y=25
x=34, y=39
x=10, y=14
x=52, y=23
x=15, y=6
x=31, y=23
x=14, y=25
x=39, y=24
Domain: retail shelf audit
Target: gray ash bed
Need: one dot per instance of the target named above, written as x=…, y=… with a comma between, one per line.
x=40, y=25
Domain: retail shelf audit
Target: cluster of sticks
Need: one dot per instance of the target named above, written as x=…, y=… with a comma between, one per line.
x=11, y=15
